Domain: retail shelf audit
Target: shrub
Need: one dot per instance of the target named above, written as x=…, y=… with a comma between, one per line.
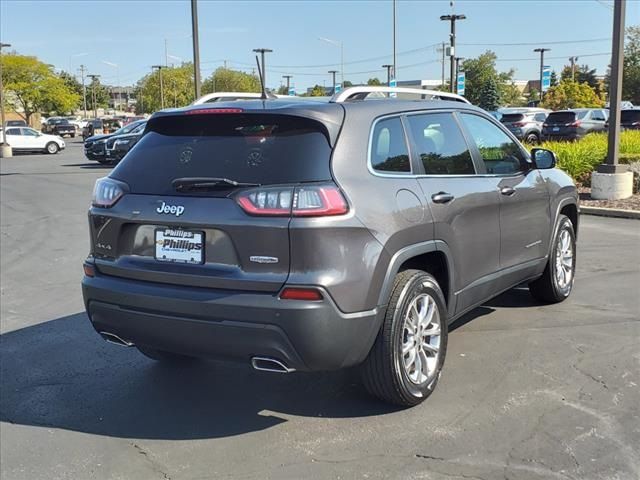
x=580, y=158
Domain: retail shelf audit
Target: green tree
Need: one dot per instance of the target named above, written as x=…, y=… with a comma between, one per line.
x=489, y=96
x=347, y=84
x=101, y=93
x=554, y=78
x=479, y=71
x=583, y=74
x=317, y=91
x=374, y=82
x=568, y=94
x=534, y=95
x=282, y=90
x=228, y=80
x=631, y=68
x=177, y=87
x=31, y=86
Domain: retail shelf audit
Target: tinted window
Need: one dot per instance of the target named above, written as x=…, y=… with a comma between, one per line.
x=251, y=148
x=13, y=131
x=389, y=152
x=500, y=154
x=561, y=117
x=512, y=117
x=29, y=132
x=582, y=114
x=540, y=117
x=440, y=144
x=630, y=116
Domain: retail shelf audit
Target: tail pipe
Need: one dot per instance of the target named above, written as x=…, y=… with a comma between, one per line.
x=115, y=339
x=266, y=364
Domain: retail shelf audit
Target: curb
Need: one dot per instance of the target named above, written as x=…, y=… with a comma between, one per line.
x=610, y=212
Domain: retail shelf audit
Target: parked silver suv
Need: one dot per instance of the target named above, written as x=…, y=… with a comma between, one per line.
x=317, y=236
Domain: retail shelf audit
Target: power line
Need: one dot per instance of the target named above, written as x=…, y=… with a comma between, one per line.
x=529, y=44
x=551, y=58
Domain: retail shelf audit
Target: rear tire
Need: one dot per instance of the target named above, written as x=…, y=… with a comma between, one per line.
x=556, y=282
x=163, y=356
x=52, y=148
x=532, y=139
x=405, y=362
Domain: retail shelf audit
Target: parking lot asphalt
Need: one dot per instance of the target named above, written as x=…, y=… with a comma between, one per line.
x=528, y=391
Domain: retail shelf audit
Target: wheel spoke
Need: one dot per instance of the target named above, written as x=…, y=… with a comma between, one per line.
x=431, y=348
x=424, y=364
x=407, y=346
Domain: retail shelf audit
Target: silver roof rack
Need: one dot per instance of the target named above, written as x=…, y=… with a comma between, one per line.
x=361, y=93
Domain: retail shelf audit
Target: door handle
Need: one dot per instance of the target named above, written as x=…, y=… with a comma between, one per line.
x=442, y=197
x=508, y=191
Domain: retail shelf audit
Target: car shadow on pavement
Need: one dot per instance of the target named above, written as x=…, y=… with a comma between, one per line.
x=61, y=374
x=91, y=166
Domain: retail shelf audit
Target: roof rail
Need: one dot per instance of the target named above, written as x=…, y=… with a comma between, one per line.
x=360, y=93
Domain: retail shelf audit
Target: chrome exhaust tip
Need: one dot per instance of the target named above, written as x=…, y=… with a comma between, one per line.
x=266, y=364
x=115, y=339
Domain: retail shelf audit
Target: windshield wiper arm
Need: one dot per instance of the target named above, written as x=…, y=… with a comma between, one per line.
x=191, y=183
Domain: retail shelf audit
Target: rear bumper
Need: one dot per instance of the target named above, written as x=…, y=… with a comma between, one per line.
x=307, y=336
x=561, y=136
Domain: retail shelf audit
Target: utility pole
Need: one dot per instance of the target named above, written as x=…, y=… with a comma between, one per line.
x=444, y=49
x=573, y=61
x=395, y=65
x=452, y=51
x=288, y=77
x=6, y=151
x=333, y=73
x=94, y=78
x=84, y=90
x=615, y=91
x=196, y=47
x=262, y=51
x=166, y=53
x=160, y=67
x=541, y=52
x=388, y=67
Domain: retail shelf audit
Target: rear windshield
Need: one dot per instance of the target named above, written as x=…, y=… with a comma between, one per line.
x=249, y=148
x=561, y=117
x=512, y=117
x=630, y=116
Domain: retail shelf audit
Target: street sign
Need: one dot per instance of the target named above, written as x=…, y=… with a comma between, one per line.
x=546, y=78
x=461, y=82
x=338, y=88
x=292, y=92
x=393, y=83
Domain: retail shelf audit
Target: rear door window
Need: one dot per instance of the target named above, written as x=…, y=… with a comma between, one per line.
x=389, y=151
x=440, y=145
x=250, y=148
x=512, y=118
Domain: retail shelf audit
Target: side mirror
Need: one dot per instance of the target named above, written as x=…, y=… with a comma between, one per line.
x=543, y=158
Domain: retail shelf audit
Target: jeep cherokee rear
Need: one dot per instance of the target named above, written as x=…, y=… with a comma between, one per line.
x=309, y=236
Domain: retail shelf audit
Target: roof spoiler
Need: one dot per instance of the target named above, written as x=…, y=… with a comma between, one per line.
x=361, y=93
x=230, y=96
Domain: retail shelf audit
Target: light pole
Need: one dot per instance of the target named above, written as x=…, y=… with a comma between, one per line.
x=573, y=61
x=288, y=77
x=541, y=52
x=5, y=150
x=388, y=67
x=339, y=44
x=262, y=51
x=94, y=79
x=117, y=67
x=196, y=47
x=452, y=42
x=333, y=74
x=84, y=90
x=394, y=40
x=160, y=67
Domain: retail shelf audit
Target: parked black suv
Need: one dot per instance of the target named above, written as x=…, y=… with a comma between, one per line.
x=95, y=147
x=316, y=236
x=117, y=145
x=574, y=124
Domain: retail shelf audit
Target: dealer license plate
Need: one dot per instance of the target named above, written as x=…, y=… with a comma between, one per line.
x=179, y=246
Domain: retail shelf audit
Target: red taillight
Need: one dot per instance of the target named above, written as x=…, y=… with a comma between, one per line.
x=107, y=192
x=306, y=201
x=295, y=293
x=519, y=124
x=213, y=111
x=545, y=124
x=89, y=270
x=575, y=124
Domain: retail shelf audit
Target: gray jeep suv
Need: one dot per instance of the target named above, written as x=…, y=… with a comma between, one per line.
x=317, y=236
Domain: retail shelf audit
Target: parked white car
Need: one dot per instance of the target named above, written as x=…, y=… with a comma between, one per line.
x=25, y=139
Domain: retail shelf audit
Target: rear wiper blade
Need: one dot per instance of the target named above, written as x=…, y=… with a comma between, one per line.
x=193, y=183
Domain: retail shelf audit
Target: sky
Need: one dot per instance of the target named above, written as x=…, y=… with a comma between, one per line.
x=131, y=34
